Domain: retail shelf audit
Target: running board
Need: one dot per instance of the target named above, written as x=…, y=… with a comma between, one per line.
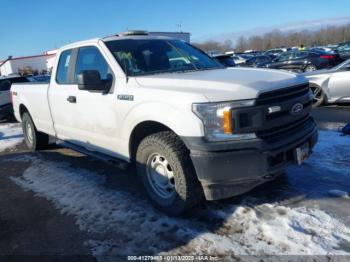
x=105, y=158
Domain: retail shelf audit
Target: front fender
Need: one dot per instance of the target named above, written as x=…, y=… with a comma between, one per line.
x=321, y=81
x=180, y=120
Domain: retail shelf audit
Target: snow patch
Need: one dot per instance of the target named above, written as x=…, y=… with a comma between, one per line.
x=10, y=136
x=123, y=224
x=337, y=126
x=331, y=152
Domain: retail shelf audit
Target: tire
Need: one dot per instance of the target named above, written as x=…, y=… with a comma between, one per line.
x=163, y=161
x=310, y=68
x=34, y=139
x=319, y=96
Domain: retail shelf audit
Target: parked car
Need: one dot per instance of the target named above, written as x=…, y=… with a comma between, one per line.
x=331, y=86
x=322, y=49
x=239, y=59
x=258, y=61
x=193, y=131
x=275, y=51
x=343, y=50
x=6, y=110
x=225, y=60
x=304, y=61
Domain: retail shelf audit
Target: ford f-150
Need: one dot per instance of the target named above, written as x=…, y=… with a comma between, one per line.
x=192, y=128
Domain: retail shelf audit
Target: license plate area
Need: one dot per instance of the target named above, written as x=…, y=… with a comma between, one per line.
x=302, y=153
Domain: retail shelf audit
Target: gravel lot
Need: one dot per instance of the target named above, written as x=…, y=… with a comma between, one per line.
x=59, y=202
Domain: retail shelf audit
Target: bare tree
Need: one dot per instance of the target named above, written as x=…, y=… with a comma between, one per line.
x=276, y=38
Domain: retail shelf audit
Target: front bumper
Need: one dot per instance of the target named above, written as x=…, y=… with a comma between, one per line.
x=6, y=111
x=232, y=168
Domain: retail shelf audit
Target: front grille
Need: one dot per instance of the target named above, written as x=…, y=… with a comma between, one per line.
x=281, y=132
x=286, y=112
x=281, y=95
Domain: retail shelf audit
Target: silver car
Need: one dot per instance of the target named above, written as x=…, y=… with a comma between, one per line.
x=332, y=85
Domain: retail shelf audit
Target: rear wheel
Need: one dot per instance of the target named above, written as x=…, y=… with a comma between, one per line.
x=319, y=96
x=34, y=139
x=167, y=172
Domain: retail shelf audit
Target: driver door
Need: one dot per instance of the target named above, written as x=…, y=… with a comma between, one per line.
x=96, y=112
x=85, y=118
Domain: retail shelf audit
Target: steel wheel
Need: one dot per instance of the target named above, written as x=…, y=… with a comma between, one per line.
x=34, y=140
x=160, y=176
x=29, y=132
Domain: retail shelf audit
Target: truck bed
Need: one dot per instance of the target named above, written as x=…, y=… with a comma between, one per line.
x=36, y=97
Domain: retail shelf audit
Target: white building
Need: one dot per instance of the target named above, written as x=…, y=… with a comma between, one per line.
x=13, y=65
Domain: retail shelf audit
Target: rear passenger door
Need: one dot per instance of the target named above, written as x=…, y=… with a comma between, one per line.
x=61, y=88
x=283, y=61
x=299, y=60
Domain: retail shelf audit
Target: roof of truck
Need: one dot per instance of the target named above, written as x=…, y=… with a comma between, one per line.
x=114, y=38
x=135, y=37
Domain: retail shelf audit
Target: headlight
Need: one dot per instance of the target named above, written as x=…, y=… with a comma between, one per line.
x=217, y=119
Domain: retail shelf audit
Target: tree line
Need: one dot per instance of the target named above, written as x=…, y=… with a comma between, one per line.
x=276, y=38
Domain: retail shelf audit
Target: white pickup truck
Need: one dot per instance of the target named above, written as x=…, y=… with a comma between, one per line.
x=192, y=128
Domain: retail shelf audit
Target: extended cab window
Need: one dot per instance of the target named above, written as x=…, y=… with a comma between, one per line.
x=63, y=67
x=90, y=58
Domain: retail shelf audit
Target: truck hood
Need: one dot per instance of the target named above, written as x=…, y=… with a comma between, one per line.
x=223, y=84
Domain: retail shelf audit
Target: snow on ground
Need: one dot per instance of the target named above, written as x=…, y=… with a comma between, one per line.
x=121, y=223
x=10, y=136
x=331, y=125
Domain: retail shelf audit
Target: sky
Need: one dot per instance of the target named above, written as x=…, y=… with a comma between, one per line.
x=32, y=27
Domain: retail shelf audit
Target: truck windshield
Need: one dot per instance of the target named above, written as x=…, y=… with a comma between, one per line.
x=153, y=56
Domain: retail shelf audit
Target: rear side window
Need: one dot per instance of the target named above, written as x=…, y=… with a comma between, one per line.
x=300, y=55
x=90, y=58
x=284, y=57
x=63, y=67
x=345, y=47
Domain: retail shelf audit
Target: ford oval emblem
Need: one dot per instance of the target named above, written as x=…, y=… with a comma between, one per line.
x=297, y=109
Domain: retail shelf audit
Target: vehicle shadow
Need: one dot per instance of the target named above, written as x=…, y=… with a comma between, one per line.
x=117, y=213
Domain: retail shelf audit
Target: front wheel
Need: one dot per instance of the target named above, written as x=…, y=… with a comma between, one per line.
x=167, y=172
x=34, y=139
x=319, y=96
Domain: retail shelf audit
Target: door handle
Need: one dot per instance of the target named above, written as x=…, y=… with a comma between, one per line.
x=72, y=99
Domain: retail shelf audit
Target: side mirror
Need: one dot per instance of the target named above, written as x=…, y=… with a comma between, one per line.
x=90, y=80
